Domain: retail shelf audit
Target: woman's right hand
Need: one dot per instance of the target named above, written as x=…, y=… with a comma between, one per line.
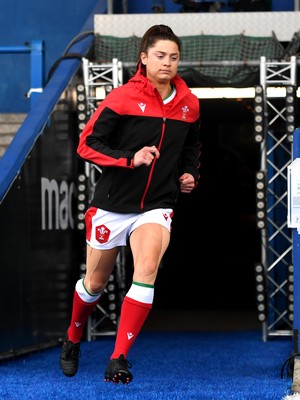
x=145, y=156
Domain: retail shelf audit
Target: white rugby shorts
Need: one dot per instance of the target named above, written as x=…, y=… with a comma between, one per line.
x=106, y=230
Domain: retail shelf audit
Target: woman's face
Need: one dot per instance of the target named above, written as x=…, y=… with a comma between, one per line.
x=161, y=61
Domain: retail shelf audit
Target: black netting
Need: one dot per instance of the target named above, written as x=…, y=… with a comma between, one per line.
x=206, y=59
x=109, y=47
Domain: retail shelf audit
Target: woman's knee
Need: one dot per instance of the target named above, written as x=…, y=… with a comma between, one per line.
x=147, y=271
x=95, y=285
x=99, y=267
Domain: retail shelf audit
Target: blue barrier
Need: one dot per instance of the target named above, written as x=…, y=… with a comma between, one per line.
x=296, y=258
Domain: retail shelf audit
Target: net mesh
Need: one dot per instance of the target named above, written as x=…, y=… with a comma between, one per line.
x=206, y=59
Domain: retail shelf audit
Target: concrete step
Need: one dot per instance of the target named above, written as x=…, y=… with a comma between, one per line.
x=9, y=125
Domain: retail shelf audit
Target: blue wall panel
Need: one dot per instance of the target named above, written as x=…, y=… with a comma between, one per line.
x=282, y=5
x=144, y=7
x=55, y=22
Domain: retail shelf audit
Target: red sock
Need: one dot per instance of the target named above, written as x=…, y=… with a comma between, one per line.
x=133, y=316
x=80, y=313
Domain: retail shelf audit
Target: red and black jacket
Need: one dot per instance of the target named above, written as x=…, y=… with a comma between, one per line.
x=133, y=116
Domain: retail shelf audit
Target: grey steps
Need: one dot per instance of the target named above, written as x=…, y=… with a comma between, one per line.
x=9, y=125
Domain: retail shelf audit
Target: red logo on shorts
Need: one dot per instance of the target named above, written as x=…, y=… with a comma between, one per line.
x=102, y=234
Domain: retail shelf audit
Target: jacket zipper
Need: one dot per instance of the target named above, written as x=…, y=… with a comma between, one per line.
x=153, y=164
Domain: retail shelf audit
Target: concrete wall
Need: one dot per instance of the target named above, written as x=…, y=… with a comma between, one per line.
x=257, y=24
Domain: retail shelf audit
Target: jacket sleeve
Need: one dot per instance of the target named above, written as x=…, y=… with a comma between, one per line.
x=190, y=155
x=97, y=138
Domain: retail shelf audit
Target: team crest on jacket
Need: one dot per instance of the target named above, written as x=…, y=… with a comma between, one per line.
x=184, y=109
x=102, y=233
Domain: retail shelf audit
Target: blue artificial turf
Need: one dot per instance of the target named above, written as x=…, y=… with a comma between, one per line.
x=166, y=366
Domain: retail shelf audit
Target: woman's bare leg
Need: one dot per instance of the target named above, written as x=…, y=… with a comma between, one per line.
x=148, y=244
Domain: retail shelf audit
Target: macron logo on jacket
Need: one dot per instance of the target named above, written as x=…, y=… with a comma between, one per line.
x=142, y=106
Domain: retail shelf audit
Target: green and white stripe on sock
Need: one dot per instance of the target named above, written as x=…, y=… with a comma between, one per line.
x=141, y=292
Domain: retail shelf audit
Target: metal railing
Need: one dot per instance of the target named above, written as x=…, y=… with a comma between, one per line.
x=36, y=50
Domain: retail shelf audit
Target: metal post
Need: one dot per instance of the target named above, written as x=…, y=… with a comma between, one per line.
x=294, y=70
x=110, y=7
x=36, y=70
x=263, y=166
x=115, y=65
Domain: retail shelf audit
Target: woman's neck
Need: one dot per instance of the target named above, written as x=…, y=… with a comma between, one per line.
x=164, y=89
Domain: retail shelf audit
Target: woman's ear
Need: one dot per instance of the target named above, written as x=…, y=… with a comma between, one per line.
x=143, y=58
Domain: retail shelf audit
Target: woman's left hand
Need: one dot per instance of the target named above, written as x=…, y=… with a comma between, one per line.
x=187, y=183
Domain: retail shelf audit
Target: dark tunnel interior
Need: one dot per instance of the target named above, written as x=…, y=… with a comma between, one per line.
x=215, y=242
